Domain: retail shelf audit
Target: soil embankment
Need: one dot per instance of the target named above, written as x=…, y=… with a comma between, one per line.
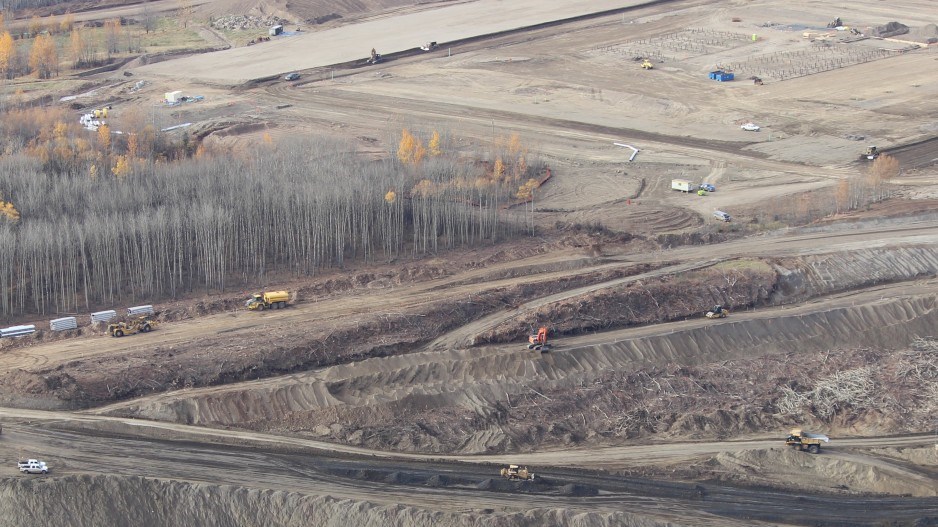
x=112, y=500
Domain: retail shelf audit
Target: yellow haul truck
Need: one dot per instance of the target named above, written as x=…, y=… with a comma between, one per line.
x=801, y=440
x=268, y=300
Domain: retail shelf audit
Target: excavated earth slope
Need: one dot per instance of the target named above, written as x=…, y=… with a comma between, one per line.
x=112, y=500
x=358, y=403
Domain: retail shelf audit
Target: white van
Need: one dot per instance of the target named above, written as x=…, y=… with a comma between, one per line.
x=722, y=216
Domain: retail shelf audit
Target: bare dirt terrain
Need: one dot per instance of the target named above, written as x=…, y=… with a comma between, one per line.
x=389, y=394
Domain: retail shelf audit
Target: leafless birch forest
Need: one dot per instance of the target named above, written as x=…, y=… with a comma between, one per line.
x=210, y=222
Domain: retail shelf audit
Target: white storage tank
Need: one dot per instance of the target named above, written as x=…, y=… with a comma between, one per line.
x=63, y=324
x=103, y=316
x=16, y=331
x=140, y=310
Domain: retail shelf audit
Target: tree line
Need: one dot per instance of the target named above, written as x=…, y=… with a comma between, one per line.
x=42, y=46
x=81, y=240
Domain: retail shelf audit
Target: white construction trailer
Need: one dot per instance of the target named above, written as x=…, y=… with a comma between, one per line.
x=683, y=185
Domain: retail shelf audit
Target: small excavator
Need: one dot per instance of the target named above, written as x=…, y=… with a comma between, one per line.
x=538, y=341
x=375, y=57
x=647, y=65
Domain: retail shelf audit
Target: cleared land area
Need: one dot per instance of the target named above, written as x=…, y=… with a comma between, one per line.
x=391, y=393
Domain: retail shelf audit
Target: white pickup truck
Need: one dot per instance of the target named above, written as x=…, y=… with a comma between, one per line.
x=33, y=466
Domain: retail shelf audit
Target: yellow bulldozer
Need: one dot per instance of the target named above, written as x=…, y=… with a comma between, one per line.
x=516, y=472
x=129, y=327
x=647, y=65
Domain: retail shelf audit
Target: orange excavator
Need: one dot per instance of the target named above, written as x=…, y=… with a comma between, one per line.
x=538, y=341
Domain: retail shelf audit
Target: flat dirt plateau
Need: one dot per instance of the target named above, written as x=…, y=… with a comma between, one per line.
x=392, y=393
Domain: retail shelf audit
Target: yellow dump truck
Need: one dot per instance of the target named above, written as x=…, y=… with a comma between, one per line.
x=268, y=300
x=801, y=440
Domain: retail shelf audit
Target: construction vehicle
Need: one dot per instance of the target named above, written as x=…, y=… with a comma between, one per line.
x=801, y=440
x=516, y=472
x=375, y=57
x=101, y=113
x=538, y=341
x=647, y=65
x=268, y=300
x=134, y=325
x=718, y=311
x=870, y=153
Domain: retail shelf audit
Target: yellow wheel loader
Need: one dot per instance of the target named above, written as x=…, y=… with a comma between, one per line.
x=516, y=472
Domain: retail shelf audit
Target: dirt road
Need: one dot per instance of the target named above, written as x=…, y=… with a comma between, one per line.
x=273, y=463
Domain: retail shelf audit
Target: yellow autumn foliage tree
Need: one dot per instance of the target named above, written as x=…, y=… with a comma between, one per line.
x=435, y=144
x=79, y=48
x=43, y=58
x=514, y=144
x=112, y=33
x=122, y=167
x=498, y=170
x=419, y=152
x=526, y=190
x=104, y=137
x=8, y=211
x=67, y=22
x=406, y=146
x=7, y=54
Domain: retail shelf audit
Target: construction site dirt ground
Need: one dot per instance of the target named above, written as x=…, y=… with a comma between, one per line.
x=390, y=393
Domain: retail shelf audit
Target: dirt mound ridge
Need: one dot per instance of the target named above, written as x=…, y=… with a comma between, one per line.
x=830, y=470
x=111, y=500
x=823, y=274
x=471, y=386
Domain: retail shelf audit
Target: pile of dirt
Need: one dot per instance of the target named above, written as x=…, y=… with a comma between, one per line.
x=891, y=29
x=675, y=296
x=715, y=400
x=825, y=472
x=573, y=489
x=111, y=500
